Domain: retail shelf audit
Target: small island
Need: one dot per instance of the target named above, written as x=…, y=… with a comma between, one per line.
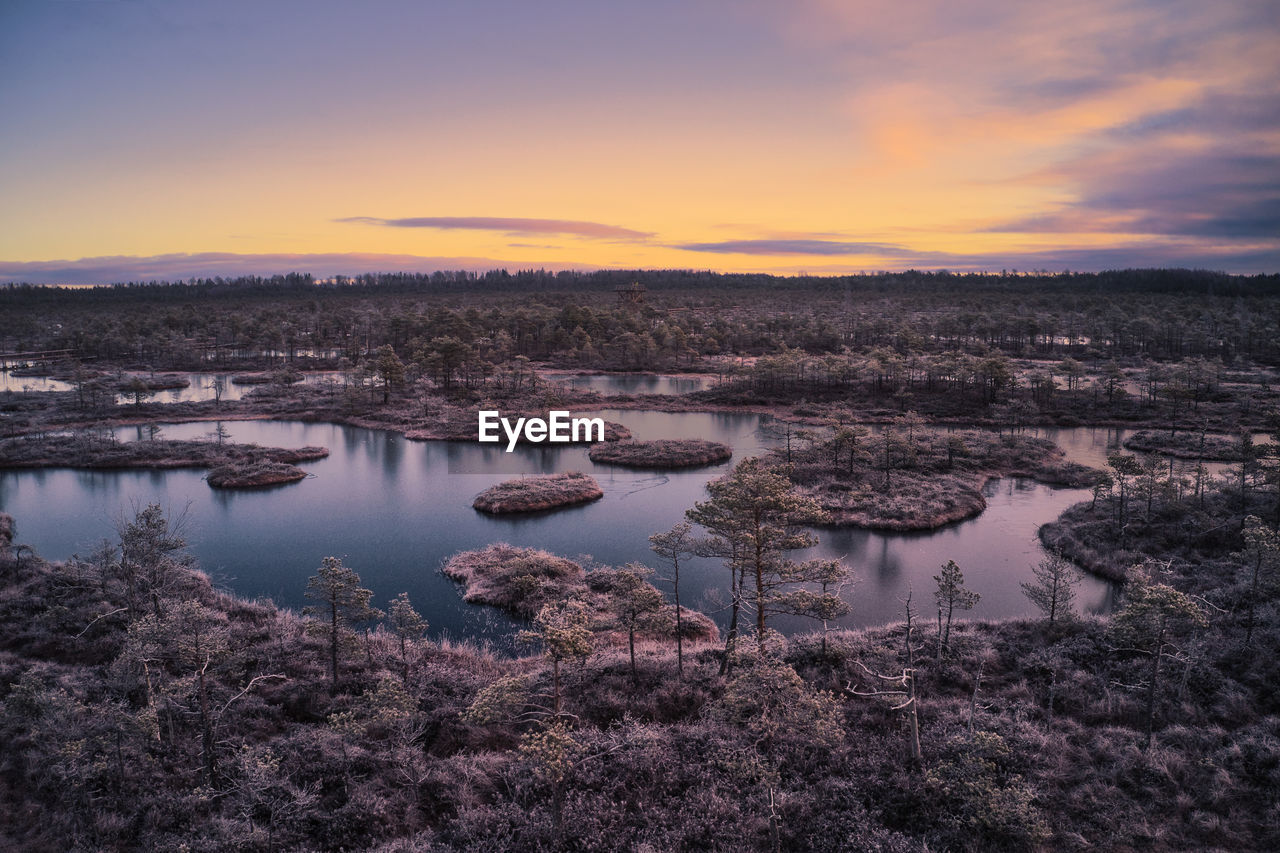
x=519, y=580
x=909, y=478
x=531, y=494
x=254, y=474
x=232, y=466
x=1187, y=445
x=665, y=453
x=134, y=383
x=251, y=379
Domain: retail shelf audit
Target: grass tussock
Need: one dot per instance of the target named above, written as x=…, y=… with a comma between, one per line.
x=532, y=494
x=665, y=453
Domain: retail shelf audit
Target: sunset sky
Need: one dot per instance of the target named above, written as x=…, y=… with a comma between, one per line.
x=143, y=140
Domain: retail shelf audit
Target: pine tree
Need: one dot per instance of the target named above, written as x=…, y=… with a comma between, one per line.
x=564, y=631
x=1152, y=618
x=951, y=595
x=825, y=604
x=671, y=546
x=390, y=370
x=150, y=546
x=755, y=517
x=1261, y=557
x=343, y=603
x=1054, y=588
x=635, y=603
x=408, y=625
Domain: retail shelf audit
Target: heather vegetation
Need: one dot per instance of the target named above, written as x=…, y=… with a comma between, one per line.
x=517, y=579
x=531, y=494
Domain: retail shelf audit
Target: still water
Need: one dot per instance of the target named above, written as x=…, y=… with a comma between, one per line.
x=636, y=384
x=200, y=385
x=395, y=509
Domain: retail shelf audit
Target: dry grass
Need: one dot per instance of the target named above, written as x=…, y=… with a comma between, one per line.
x=531, y=494
x=665, y=453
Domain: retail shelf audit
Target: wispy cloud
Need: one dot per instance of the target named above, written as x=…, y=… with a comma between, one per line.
x=1141, y=118
x=795, y=247
x=508, y=225
x=1226, y=192
x=1259, y=256
x=173, y=267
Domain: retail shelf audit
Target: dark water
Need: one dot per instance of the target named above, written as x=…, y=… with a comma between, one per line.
x=392, y=509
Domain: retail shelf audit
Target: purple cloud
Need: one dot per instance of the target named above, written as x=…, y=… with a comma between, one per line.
x=1223, y=192
x=1191, y=253
x=509, y=225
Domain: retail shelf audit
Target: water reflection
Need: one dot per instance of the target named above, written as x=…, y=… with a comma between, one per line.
x=394, y=509
x=10, y=382
x=636, y=384
x=200, y=386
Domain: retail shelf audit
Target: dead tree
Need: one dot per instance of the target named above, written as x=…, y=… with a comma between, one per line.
x=907, y=704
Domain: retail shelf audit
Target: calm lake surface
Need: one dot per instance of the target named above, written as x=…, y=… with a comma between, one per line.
x=636, y=384
x=394, y=509
x=200, y=387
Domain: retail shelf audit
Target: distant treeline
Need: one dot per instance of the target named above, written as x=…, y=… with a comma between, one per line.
x=920, y=281
x=574, y=317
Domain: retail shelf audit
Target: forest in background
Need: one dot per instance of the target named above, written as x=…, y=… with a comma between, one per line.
x=575, y=318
